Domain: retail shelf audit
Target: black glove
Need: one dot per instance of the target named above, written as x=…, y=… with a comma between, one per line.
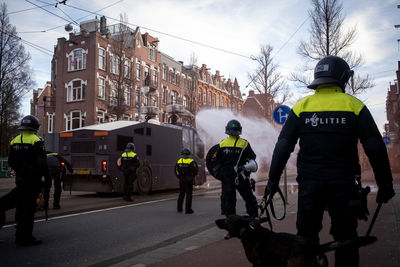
x=240, y=169
x=359, y=205
x=385, y=193
x=270, y=189
x=253, y=184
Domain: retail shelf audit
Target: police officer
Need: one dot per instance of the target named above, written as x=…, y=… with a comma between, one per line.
x=186, y=169
x=129, y=163
x=329, y=124
x=232, y=154
x=57, y=169
x=28, y=159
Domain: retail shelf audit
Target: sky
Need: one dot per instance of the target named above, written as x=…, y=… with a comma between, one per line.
x=223, y=34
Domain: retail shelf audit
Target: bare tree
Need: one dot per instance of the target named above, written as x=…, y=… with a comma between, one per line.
x=193, y=59
x=329, y=38
x=121, y=80
x=15, y=78
x=267, y=79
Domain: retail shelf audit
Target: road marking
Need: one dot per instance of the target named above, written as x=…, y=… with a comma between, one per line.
x=96, y=211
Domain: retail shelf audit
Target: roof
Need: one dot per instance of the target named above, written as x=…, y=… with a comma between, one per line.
x=108, y=126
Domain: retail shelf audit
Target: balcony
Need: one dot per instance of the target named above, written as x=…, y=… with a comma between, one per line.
x=178, y=109
x=151, y=84
x=149, y=110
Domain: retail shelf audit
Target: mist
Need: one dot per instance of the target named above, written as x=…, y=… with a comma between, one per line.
x=261, y=134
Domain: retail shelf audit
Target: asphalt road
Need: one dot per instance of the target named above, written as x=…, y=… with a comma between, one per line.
x=109, y=236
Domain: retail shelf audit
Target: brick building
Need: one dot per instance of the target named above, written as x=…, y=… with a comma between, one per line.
x=259, y=105
x=43, y=107
x=392, y=128
x=105, y=73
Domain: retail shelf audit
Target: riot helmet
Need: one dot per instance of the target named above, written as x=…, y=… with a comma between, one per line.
x=233, y=128
x=130, y=147
x=29, y=122
x=331, y=70
x=185, y=152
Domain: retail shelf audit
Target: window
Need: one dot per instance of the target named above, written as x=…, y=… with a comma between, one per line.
x=127, y=69
x=114, y=64
x=127, y=95
x=205, y=97
x=100, y=116
x=75, y=119
x=154, y=101
x=152, y=52
x=200, y=94
x=172, y=76
x=127, y=117
x=147, y=75
x=102, y=59
x=185, y=101
x=214, y=100
x=113, y=94
x=155, y=78
x=50, y=122
x=137, y=98
x=209, y=98
x=164, y=95
x=112, y=118
x=138, y=66
x=174, y=97
x=76, y=90
x=102, y=88
x=77, y=60
x=138, y=42
x=164, y=73
x=222, y=102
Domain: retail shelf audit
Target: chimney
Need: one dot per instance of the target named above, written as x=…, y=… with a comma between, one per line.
x=251, y=93
x=103, y=25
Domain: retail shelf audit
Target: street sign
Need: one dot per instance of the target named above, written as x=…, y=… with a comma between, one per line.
x=281, y=114
x=386, y=140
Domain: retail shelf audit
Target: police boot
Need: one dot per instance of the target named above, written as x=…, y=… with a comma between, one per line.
x=29, y=242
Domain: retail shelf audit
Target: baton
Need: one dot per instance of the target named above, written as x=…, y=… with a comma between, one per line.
x=374, y=218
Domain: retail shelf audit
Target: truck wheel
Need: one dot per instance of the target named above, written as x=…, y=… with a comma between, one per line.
x=144, y=180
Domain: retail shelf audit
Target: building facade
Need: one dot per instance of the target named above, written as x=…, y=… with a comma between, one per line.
x=392, y=128
x=259, y=106
x=106, y=73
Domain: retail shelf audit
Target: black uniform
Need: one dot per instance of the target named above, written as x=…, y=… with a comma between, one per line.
x=329, y=125
x=57, y=169
x=28, y=159
x=186, y=169
x=129, y=163
x=228, y=155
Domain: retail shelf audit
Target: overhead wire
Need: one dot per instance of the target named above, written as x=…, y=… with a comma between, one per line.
x=23, y=10
x=164, y=33
x=38, y=47
x=284, y=44
x=53, y=28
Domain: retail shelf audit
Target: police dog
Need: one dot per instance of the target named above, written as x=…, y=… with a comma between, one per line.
x=265, y=248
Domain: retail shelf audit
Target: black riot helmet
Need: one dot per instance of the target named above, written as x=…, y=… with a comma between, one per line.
x=130, y=147
x=29, y=122
x=331, y=70
x=185, y=152
x=233, y=128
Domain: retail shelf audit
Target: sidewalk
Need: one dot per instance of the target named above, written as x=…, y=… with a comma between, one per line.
x=384, y=252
